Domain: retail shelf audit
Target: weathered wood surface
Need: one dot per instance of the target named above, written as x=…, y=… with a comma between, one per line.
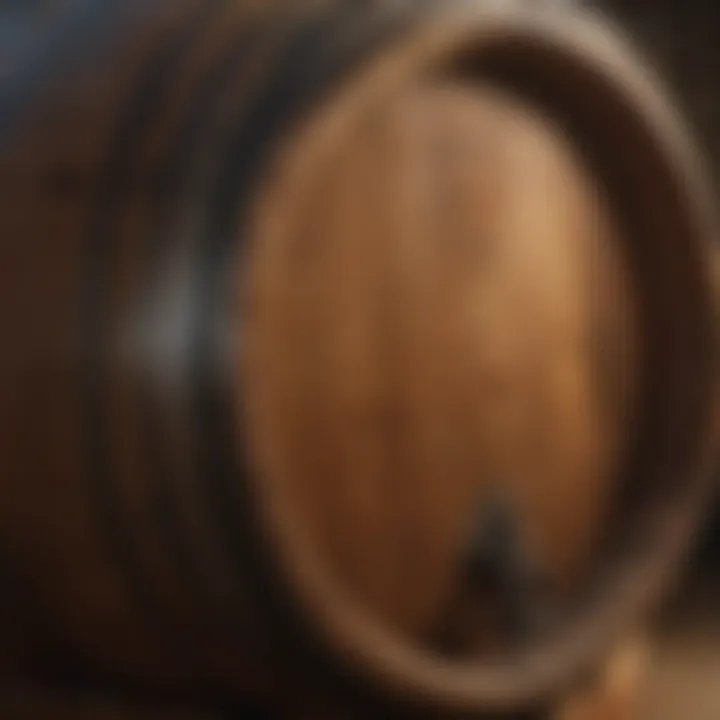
x=316, y=260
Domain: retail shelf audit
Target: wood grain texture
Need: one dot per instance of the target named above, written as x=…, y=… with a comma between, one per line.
x=438, y=315
x=445, y=315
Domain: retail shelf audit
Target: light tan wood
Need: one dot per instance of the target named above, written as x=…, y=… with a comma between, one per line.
x=444, y=312
x=616, y=691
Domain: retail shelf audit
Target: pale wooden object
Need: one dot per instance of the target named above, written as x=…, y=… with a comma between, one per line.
x=615, y=693
x=441, y=309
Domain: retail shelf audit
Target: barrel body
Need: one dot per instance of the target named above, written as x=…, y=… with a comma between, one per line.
x=112, y=160
x=262, y=364
x=679, y=41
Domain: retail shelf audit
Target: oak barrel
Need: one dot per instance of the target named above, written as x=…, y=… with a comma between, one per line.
x=680, y=41
x=356, y=344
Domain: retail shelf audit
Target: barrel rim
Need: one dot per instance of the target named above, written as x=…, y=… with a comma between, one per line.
x=581, y=39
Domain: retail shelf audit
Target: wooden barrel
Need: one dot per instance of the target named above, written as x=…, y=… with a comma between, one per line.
x=364, y=345
x=679, y=41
